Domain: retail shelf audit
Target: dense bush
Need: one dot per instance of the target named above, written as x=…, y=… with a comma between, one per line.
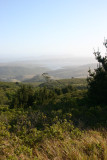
x=23, y=98
x=97, y=81
x=32, y=119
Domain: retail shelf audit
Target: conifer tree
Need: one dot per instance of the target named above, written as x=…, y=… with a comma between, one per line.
x=97, y=80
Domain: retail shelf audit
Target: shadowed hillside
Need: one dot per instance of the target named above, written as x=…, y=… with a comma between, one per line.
x=8, y=73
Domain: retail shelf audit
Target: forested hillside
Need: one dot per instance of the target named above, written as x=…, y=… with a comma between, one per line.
x=55, y=119
x=51, y=120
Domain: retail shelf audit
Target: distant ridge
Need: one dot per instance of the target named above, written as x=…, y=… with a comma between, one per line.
x=37, y=78
x=9, y=73
x=31, y=72
x=66, y=73
x=74, y=71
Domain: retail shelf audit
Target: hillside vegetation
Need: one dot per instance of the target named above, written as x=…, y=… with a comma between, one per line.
x=45, y=122
x=56, y=119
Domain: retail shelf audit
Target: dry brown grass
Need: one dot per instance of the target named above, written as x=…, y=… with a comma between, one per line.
x=91, y=145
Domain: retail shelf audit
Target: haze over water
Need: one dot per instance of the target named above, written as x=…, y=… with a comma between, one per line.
x=60, y=30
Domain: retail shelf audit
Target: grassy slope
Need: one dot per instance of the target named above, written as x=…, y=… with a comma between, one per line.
x=90, y=145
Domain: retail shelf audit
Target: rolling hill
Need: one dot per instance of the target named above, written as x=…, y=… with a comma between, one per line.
x=31, y=71
x=19, y=73
x=74, y=71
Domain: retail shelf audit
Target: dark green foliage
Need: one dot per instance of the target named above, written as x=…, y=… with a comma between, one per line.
x=58, y=91
x=67, y=89
x=97, y=81
x=43, y=96
x=23, y=97
x=29, y=115
x=67, y=99
x=7, y=91
x=79, y=83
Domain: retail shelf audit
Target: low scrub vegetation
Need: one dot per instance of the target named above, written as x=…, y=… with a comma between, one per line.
x=50, y=123
x=46, y=122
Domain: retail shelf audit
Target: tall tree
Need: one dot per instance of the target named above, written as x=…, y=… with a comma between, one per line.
x=97, y=80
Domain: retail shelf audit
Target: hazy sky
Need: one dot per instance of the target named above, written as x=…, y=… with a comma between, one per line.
x=60, y=28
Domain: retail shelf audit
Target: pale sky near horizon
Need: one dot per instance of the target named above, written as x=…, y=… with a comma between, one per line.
x=48, y=28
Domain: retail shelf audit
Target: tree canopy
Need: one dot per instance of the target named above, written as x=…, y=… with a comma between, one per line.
x=97, y=81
